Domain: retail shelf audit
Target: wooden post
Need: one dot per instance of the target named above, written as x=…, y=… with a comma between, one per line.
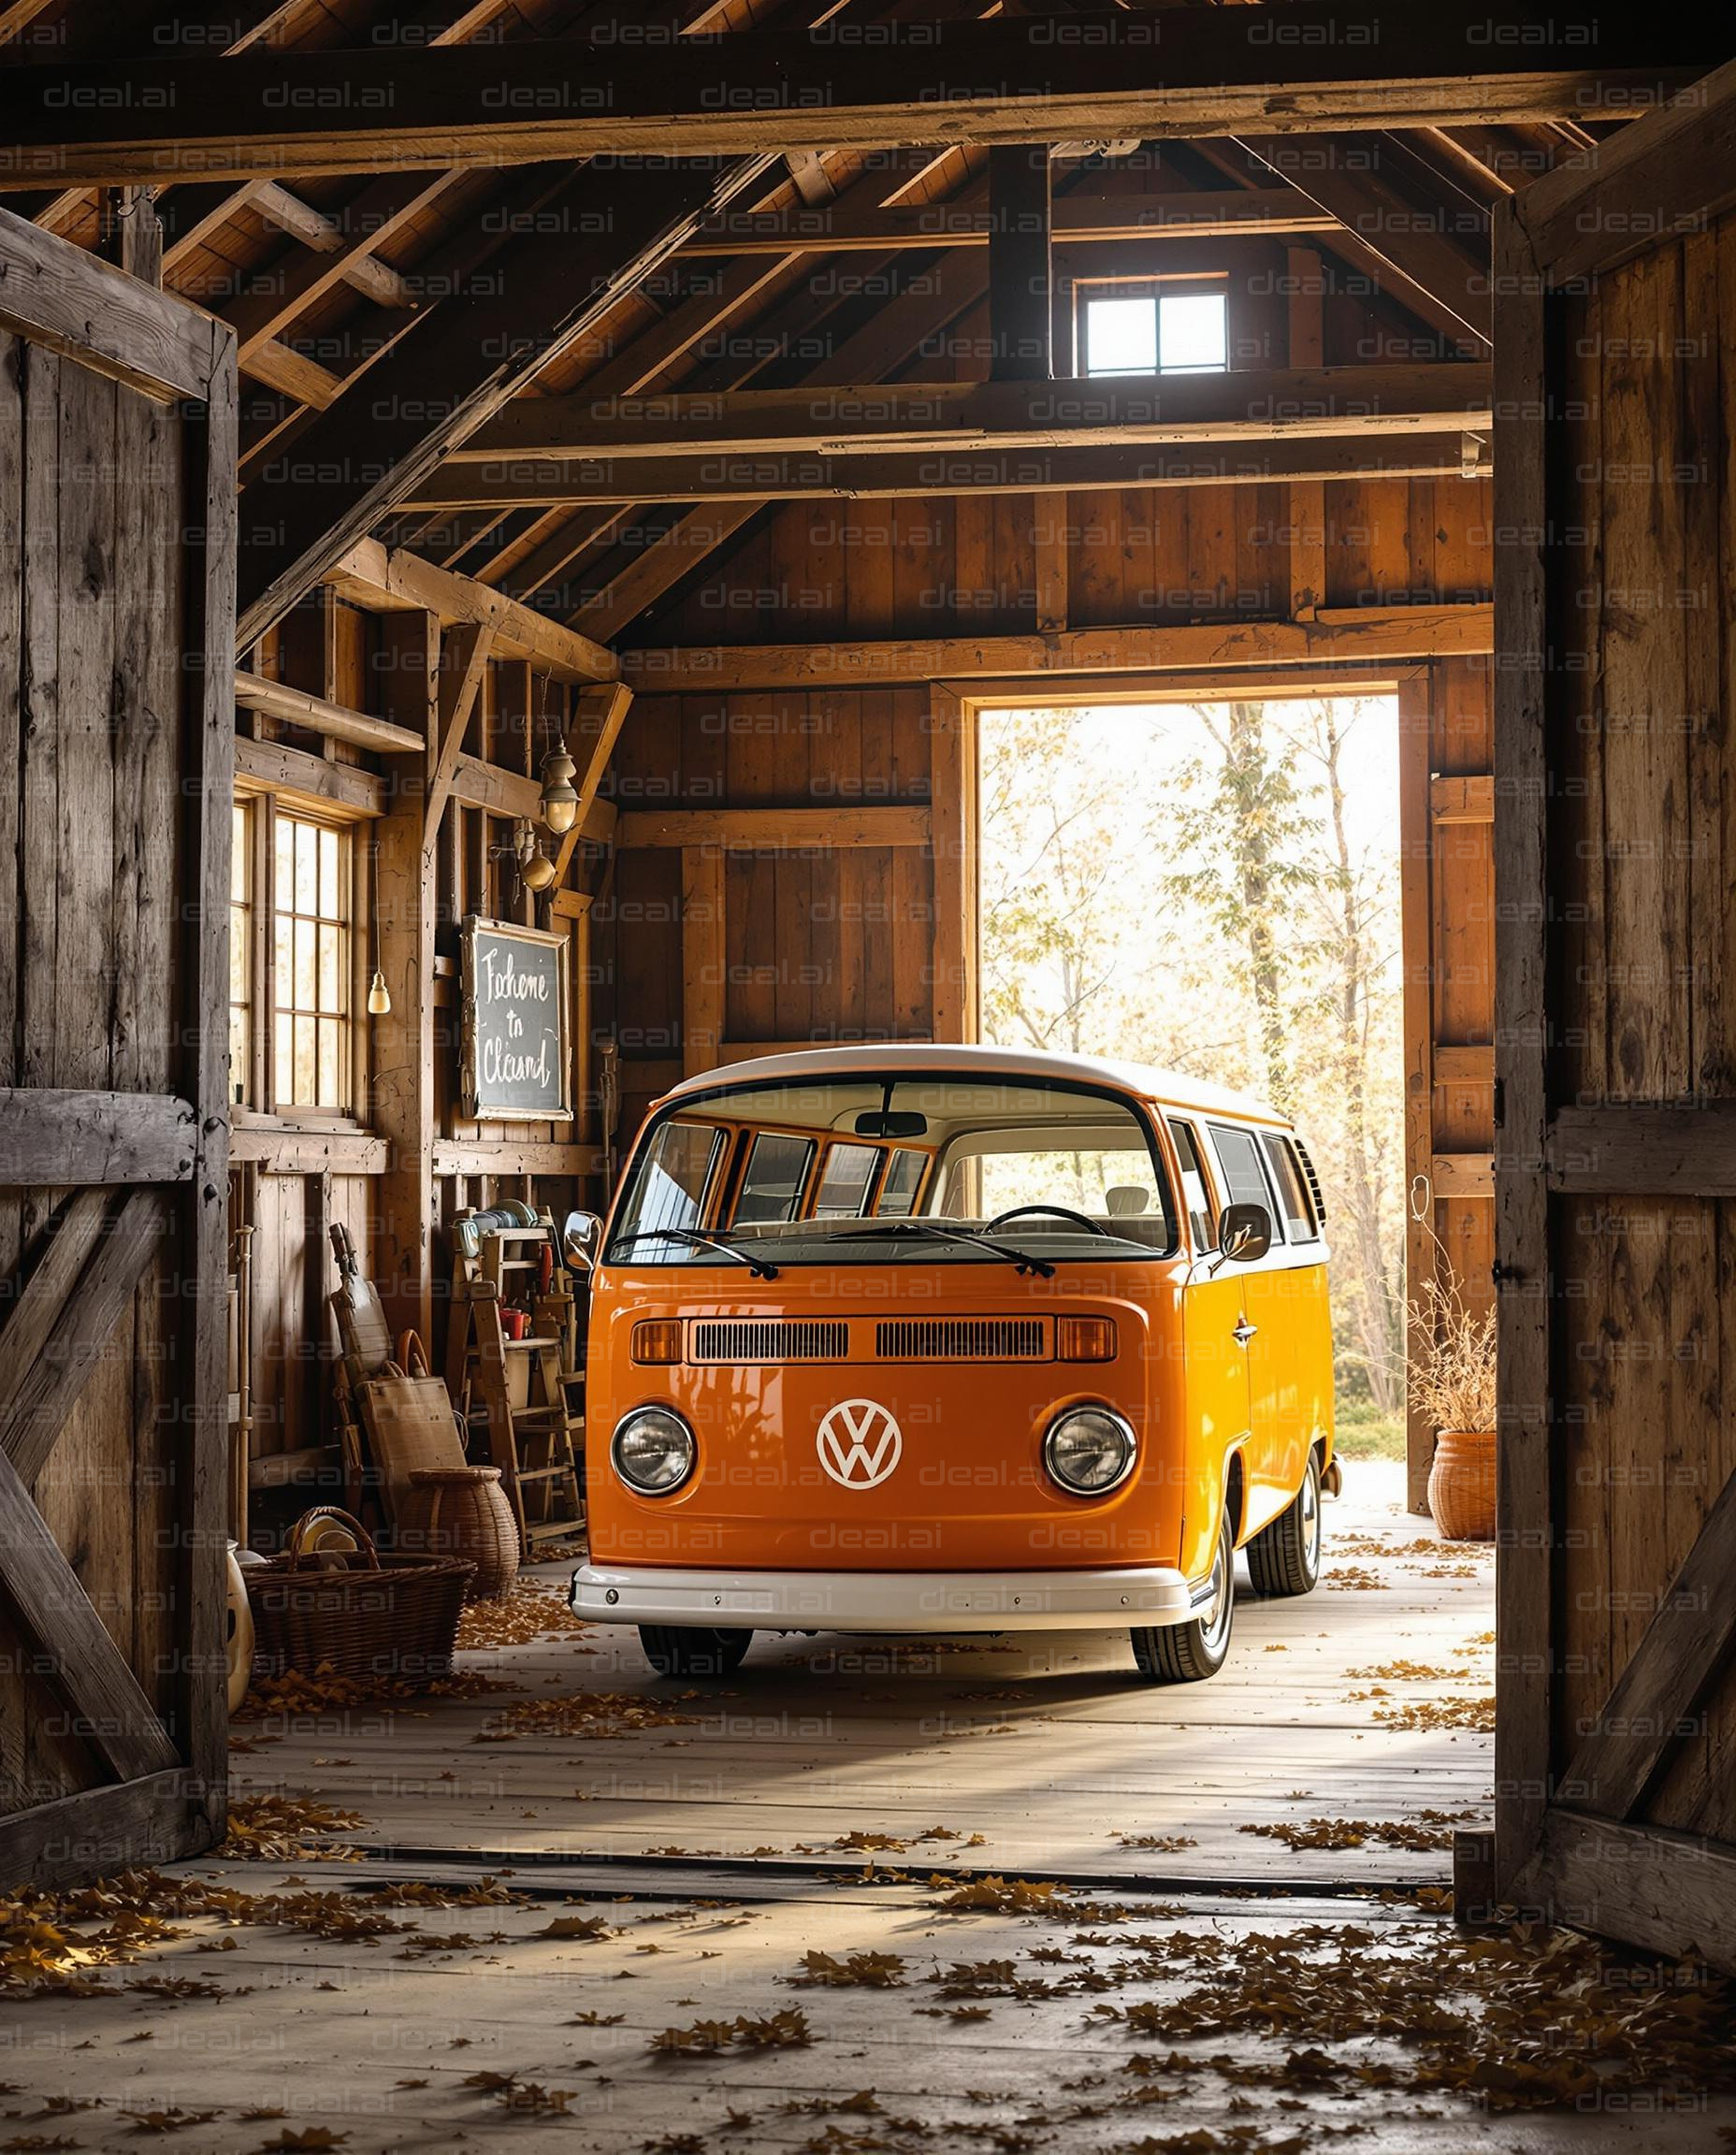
x=952, y=768
x=403, y=1039
x=704, y=1007
x=131, y=233
x=1308, y=496
x=1020, y=323
x=1416, y=915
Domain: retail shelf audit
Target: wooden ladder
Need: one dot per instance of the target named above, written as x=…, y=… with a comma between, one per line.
x=523, y=1397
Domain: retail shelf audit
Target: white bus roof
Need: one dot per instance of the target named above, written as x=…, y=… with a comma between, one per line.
x=1171, y=1088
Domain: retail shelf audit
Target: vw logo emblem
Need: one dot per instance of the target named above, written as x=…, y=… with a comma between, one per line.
x=859, y=1443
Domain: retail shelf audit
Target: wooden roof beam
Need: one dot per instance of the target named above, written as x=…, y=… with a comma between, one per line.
x=395, y=582
x=908, y=416
x=1360, y=634
x=1079, y=217
x=1302, y=67
x=1424, y=448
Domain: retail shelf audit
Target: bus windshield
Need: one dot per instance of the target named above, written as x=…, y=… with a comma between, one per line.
x=863, y=1171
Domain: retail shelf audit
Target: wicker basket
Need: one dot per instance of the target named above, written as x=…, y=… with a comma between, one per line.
x=1461, y=1484
x=369, y=1619
x=462, y=1512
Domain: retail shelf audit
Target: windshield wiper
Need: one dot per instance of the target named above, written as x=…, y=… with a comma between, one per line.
x=757, y=1265
x=967, y=1237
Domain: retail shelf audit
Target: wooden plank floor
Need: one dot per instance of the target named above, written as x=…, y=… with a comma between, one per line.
x=462, y=2026
x=1049, y=1746
x=315, y=2020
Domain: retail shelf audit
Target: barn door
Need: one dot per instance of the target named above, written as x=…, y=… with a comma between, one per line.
x=117, y=605
x=1615, y=1166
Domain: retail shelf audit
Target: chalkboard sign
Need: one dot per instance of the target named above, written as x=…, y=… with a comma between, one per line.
x=516, y=1058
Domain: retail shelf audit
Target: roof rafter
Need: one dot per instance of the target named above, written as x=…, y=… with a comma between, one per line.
x=1345, y=177
x=460, y=368
x=1331, y=65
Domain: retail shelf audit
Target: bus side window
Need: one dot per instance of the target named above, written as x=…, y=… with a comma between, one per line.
x=778, y=1172
x=899, y=1185
x=1299, y=1212
x=844, y=1181
x=1239, y=1155
x=1193, y=1193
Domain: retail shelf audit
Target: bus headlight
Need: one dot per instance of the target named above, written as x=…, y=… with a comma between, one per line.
x=652, y=1451
x=1089, y=1450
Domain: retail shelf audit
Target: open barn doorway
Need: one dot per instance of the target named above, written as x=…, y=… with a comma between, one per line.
x=1213, y=889
x=1220, y=889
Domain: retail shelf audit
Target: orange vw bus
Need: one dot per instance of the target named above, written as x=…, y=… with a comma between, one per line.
x=944, y=1339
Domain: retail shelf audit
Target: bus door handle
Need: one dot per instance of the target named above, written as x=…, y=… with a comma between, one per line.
x=1243, y=1332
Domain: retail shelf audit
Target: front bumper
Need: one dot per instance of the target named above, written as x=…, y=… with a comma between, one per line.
x=883, y=1601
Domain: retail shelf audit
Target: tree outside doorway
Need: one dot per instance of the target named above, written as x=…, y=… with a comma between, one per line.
x=1213, y=888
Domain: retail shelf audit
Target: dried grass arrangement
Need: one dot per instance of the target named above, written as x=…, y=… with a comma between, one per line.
x=1451, y=1378
x=1451, y=1386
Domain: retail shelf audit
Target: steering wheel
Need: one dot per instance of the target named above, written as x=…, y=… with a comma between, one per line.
x=1053, y=1212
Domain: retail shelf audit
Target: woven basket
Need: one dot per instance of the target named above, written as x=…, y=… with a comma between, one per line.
x=462, y=1512
x=370, y=1619
x=1461, y=1484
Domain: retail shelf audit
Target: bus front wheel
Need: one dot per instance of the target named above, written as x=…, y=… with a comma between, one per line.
x=693, y=1650
x=1189, y=1653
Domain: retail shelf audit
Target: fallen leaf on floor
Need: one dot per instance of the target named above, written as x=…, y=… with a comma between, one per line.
x=873, y=1971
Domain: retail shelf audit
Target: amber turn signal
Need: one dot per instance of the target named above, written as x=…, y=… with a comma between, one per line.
x=658, y=1340
x=1085, y=1339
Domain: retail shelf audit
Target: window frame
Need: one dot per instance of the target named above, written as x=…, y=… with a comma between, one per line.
x=243, y=922
x=1254, y=1134
x=877, y=1155
x=805, y=1184
x=1185, y=1125
x=1311, y=1229
x=1158, y=289
x=350, y=917
x=1146, y=1114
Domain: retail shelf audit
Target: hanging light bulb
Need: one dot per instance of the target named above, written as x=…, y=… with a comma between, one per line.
x=379, y=996
x=536, y=870
x=559, y=804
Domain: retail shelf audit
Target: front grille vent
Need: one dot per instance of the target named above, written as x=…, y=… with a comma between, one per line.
x=963, y=1339
x=770, y=1339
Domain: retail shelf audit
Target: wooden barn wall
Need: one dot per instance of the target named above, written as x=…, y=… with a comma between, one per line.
x=90, y=603
x=1004, y=564
x=1643, y=853
x=821, y=942
x=117, y=414
x=309, y=1172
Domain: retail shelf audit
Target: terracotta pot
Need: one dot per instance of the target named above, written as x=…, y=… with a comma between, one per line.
x=1461, y=1484
x=462, y=1512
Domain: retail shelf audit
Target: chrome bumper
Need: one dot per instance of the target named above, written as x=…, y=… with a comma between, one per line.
x=882, y=1601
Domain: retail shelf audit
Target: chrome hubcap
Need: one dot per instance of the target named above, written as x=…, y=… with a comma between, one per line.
x=1310, y=1518
x=1215, y=1621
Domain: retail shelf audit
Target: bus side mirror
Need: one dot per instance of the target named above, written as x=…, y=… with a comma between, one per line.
x=580, y=1239
x=1244, y=1233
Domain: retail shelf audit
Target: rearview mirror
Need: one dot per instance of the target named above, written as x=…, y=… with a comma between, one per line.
x=1244, y=1233
x=898, y=1122
x=579, y=1240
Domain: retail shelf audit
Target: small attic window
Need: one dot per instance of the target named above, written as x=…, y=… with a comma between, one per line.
x=1155, y=331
